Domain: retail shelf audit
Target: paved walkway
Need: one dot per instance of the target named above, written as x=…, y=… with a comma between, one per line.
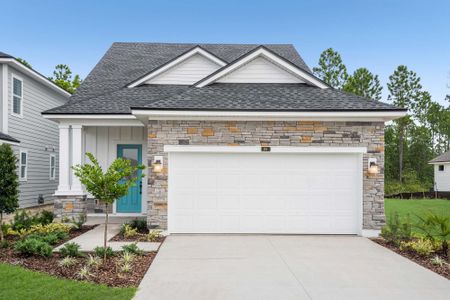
x=94, y=238
x=216, y=267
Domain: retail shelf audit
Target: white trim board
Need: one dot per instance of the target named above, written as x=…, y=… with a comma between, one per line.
x=183, y=57
x=257, y=149
x=376, y=116
x=275, y=59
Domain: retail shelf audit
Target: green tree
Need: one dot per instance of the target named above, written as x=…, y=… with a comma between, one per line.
x=331, y=69
x=108, y=186
x=24, y=62
x=63, y=78
x=363, y=83
x=9, y=183
x=404, y=89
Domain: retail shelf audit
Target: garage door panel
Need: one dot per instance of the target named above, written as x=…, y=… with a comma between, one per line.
x=263, y=193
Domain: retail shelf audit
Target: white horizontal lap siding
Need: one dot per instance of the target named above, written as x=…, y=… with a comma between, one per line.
x=260, y=70
x=37, y=135
x=187, y=72
x=296, y=193
x=442, y=178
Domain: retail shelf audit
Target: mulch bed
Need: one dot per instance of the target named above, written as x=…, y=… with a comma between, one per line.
x=137, y=238
x=424, y=261
x=109, y=274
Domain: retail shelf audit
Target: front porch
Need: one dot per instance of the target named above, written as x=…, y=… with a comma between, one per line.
x=106, y=141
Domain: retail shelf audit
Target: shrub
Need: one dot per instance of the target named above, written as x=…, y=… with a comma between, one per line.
x=128, y=231
x=50, y=238
x=44, y=217
x=421, y=246
x=50, y=228
x=94, y=261
x=100, y=251
x=396, y=230
x=140, y=225
x=153, y=235
x=70, y=249
x=4, y=244
x=22, y=220
x=132, y=248
x=436, y=228
x=33, y=246
x=78, y=222
x=67, y=262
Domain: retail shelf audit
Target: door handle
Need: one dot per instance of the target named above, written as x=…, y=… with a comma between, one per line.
x=140, y=187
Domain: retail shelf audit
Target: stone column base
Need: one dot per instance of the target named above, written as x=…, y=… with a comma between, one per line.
x=70, y=206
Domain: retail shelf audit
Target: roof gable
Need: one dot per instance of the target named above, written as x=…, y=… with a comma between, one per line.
x=260, y=70
x=263, y=52
x=445, y=157
x=187, y=68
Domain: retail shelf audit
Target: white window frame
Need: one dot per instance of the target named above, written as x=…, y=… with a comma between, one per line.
x=14, y=76
x=441, y=169
x=54, y=167
x=20, y=165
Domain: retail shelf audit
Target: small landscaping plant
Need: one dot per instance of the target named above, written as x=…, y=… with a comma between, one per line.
x=33, y=246
x=67, y=262
x=154, y=235
x=70, y=249
x=126, y=267
x=79, y=221
x=396, y=230
x=128, y=231
x=24, y=220
x=127, y=257
x=132, y=248
x=4, y=244
x=439, y=261
x=94, y=261
x=100, y=251
x=421, y=246
x=140, y=225
x=436, y=228
x=84, y=273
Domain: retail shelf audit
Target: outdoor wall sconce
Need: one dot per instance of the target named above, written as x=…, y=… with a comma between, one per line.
x=157, y=164
x=372, y=166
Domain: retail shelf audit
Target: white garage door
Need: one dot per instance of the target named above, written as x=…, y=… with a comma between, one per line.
x=264, y=193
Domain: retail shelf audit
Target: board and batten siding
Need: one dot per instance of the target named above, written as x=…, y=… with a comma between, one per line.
x=187, y=72
x=37, y=135
x=102, y=142
x=442, y=178
x=260, y=70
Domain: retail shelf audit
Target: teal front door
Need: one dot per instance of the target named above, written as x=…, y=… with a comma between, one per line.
x=131, y=203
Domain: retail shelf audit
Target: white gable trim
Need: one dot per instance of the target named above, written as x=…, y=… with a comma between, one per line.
x=196, y=50
x=272, y=58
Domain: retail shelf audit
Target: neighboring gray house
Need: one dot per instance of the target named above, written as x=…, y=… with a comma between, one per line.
x=441, y=166
x=237, y=139
x=24, y=94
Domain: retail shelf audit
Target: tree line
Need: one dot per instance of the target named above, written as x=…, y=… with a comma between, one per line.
x=410, y=142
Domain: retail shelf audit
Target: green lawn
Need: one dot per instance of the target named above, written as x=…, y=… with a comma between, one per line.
x=19, y=283
x=413, y=208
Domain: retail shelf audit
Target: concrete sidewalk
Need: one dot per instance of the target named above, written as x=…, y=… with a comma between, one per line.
x=278, y=267
x=94, y=238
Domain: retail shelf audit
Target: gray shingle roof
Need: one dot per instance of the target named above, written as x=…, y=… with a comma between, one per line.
x=5, y=55
x=104, y=91
x=8, y=138
x=445, y=157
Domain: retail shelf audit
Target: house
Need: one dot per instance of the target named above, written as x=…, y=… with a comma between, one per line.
x=237, y=138
x=24, y=94
x=442, y=172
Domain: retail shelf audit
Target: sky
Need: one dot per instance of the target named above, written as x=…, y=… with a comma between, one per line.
x=376, y=34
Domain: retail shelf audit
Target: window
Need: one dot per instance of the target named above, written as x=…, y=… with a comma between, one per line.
x=17, y=96
x=441, y=167
x=52, y=167
x=23, y=165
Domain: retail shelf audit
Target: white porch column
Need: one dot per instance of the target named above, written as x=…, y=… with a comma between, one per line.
x=77, y=157
x=64, y=158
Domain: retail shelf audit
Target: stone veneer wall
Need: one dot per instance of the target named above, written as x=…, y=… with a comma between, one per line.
x=70, y=206
x=250, y=133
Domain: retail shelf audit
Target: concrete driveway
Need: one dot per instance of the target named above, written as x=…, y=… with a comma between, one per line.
x=285, y=267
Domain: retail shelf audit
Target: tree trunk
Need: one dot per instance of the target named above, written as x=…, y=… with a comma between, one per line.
x=1, y=226
x=400, y=154
x=105, y=235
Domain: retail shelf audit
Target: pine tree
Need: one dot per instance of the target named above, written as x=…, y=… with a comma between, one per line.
x=363, y=83
x=331, y=69
x=9, y=183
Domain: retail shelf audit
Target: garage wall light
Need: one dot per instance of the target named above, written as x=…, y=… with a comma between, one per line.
x=372, y=166
x=157, y=164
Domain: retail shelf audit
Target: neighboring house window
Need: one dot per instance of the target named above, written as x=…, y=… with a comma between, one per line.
x=23, y=165
x=441, y=167
x=17, y=101
x=52, y=166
